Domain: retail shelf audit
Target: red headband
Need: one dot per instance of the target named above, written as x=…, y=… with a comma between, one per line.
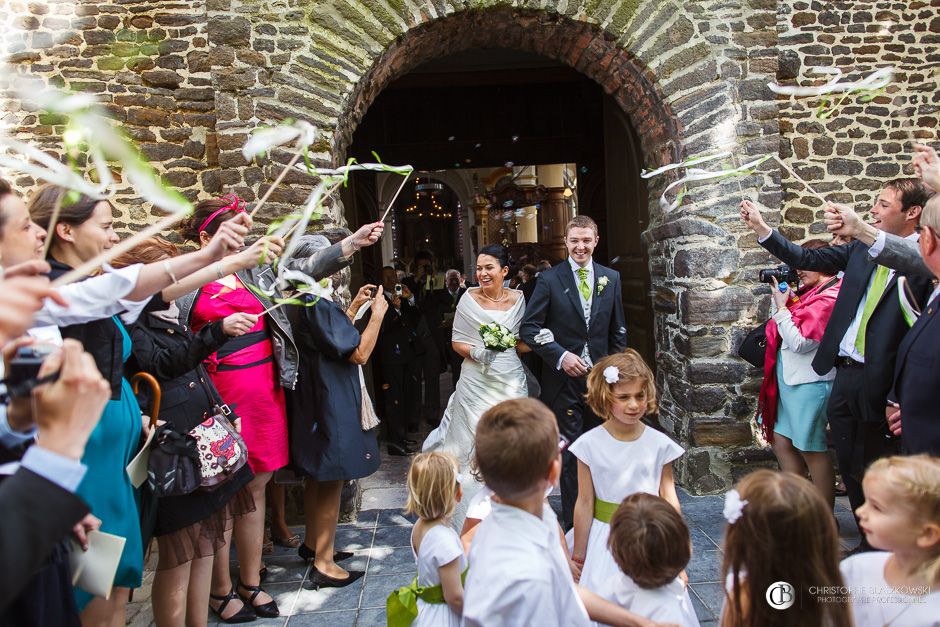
x=235, y=204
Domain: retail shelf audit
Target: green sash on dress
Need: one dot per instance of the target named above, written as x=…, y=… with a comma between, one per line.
x=401, y=608
x=604, y=510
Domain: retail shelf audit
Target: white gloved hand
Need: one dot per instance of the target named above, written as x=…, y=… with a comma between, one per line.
x=482, y=355
x=545, y=336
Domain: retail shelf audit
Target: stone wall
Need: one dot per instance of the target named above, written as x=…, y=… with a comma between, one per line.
x=189, y=80
x=849, y=155
x=147, y=61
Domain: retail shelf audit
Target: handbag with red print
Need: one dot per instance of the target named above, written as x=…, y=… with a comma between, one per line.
x=222, y=452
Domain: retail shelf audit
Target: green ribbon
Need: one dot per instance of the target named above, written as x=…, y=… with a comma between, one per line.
x=604, y=510
x=401, y=608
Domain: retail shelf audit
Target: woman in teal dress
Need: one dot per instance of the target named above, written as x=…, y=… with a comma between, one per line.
x=106, y=487
x=82, y=231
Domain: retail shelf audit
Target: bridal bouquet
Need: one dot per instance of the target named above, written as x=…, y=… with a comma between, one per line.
x=496, y=337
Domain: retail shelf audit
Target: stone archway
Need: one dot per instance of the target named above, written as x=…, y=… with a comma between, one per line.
x=702, y=401
x=581, y=45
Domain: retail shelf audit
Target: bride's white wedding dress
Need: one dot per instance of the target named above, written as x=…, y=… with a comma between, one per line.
x=479, y=388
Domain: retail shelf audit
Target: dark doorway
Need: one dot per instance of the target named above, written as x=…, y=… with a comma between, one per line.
x=495, y=108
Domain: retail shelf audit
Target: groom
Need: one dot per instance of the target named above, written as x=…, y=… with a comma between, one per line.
x=579, y=302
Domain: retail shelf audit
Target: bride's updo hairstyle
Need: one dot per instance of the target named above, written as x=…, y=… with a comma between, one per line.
x=497, y=252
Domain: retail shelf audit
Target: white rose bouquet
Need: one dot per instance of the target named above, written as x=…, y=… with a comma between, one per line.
x=496, y=337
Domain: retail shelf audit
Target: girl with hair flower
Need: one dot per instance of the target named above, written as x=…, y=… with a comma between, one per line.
x=619, y=458
x=780, y=530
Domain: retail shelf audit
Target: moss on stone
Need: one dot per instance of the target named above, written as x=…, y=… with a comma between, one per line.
x=624, y=14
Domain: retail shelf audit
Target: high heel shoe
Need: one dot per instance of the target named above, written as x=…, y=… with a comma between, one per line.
x=266, y=610
x=318, y=580
x=244, y=615
x=306, y=553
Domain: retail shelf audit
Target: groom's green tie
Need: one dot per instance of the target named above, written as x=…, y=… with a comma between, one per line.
x=875, y=292
x=582, y=284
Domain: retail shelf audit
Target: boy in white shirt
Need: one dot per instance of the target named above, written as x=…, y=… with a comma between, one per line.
x=518, y=575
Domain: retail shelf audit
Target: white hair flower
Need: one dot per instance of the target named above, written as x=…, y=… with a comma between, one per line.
x=611, y=374
x=734, y=506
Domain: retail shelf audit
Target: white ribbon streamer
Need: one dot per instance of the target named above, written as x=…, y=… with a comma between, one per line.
x=876, y=80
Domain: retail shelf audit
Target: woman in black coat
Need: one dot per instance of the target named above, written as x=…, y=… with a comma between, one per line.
x=191, y=528
x=327, y=441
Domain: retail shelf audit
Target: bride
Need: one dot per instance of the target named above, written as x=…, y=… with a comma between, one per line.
x=487, y=377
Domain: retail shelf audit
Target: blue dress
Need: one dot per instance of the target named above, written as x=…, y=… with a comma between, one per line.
x=801, y=412
x=106, y=487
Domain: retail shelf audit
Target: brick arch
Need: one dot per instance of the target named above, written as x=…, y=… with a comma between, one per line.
x=582, y=45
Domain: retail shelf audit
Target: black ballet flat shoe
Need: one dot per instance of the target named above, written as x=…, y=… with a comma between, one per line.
x=267, y=610
x=399, y=450
x=244, y=615
x=307, y=553
x=318, y=580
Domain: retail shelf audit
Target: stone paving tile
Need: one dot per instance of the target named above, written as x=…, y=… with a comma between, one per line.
x=701, y=610
x=391, y=561
x=378, y=587
x=705, y=567
x=353, y=538
x=393, y=536
x=346, y=618
x=711, y=594
x=371, y=618
x=285, y=569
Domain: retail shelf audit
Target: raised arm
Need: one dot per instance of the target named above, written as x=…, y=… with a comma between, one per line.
x=888, y=250
x=829, y=260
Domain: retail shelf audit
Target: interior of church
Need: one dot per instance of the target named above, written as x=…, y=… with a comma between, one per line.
x=507, y=146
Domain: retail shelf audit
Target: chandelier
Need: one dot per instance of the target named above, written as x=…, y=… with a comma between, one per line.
x=426, y=204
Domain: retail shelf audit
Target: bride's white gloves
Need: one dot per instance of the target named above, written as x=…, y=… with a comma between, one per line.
x=482, y=355
x=545, y=336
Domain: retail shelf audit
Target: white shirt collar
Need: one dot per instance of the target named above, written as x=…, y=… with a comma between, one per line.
x=575, y=267
x=521, y=524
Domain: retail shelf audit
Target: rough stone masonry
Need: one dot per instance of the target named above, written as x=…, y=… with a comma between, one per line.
x=188, y=79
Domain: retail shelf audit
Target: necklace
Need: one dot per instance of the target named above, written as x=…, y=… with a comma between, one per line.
x=495, y=300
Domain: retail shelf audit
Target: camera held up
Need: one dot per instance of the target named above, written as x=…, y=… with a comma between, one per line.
x=783, y=273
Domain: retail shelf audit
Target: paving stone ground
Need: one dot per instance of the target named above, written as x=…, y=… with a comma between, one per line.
x=379, y=538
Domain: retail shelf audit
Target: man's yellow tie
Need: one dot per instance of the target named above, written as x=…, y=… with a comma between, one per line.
x=582, y=284
x=875, y=292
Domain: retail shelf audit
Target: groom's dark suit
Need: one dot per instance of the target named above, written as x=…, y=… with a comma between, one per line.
x=556, y=305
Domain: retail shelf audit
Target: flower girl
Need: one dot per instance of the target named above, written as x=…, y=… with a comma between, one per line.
x=619, y=458
x=897, y=586
x=781, y=546
x=435, y=597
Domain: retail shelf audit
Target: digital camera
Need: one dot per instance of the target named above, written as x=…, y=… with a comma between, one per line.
x=783, y=273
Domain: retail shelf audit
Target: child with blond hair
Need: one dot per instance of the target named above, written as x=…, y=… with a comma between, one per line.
x=650, y=543
x=897, y=585
x=435, y=597
x=781, y=544
x=619, y=458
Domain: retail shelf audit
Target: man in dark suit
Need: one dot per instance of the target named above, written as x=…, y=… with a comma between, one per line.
x=527, y=274
x=439, y=309
x=399, y=352
x=579, y=302
x=917, y=374
x=867, y=325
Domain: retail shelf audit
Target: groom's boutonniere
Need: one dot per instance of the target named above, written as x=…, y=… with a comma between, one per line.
x=602, y=283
